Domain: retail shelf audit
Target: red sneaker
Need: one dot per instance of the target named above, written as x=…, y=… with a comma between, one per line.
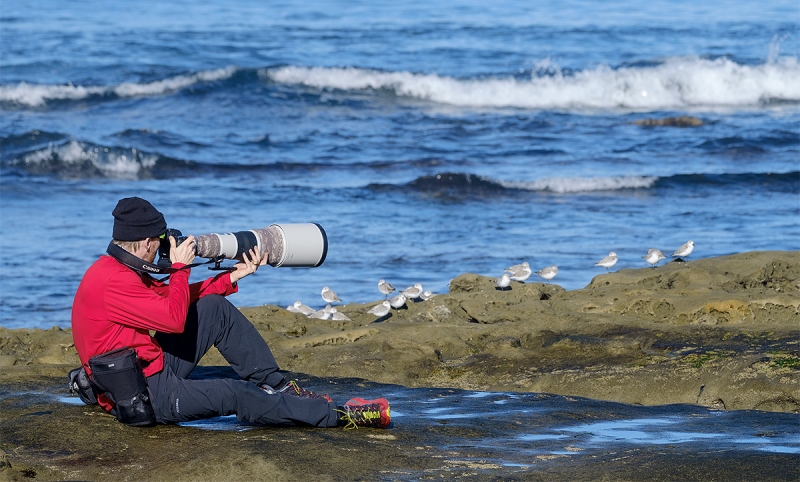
x=358, y=412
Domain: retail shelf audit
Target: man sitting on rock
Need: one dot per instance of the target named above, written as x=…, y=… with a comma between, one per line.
x=118, y=304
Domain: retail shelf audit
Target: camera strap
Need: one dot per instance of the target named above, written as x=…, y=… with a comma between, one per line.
x=141, y=266
x=134, y=262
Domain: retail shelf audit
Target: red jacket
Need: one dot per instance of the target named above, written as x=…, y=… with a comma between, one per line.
x=115, y=307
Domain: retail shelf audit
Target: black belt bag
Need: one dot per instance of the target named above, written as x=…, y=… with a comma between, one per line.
x=80, y=383
x=119, y=374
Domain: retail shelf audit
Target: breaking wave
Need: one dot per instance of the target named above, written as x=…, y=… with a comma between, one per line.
x=462, y=185
x=75, y=159
x=470, y=185
x=35, y=95
x=677, y=82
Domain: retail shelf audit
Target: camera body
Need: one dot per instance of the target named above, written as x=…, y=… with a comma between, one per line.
x=164, y=247
x=287, y=245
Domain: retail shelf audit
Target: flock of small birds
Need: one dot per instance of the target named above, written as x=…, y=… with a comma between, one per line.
x=329, y=296
x=518, y=272
x=521, y=272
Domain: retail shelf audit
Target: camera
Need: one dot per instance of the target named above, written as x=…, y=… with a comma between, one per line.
x=164, y=247
x=288, y=245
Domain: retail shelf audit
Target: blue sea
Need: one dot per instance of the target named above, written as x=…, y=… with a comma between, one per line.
x=429, y=139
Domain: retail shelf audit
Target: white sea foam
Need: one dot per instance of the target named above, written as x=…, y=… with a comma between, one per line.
x=677, y=82
x=583, y=184
x=114, y=163
x=36, y=95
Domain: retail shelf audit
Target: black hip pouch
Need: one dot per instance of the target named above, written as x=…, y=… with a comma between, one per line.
x=119, y=374
x=80, y=383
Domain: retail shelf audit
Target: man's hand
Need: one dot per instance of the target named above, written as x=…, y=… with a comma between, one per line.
x=184, y=253
x=248, y=265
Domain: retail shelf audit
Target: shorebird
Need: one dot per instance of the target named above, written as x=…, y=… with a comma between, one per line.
x=398, y=301
x=520, y=272
x=413, y=292
x=685, y=250
x=328, y=295
x=608, y=261
x=385, y=288
x=322, y=314
x=503, y=281
x=427, y=295
x=299, y=307
x=548, y=273
x=653, y=256
x=339, y=316
x=380, y=310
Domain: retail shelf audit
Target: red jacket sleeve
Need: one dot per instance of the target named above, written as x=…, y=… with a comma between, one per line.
x=152, y=305
x=218, y=285
x=130, y=302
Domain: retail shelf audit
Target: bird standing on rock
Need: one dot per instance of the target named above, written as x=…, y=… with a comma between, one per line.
x=503, y=281
x=380, y=310
x=548, y=273
x=322, y=314
x=653, y=256
x=385, y=288
x=608, y=261
x=426, y=295
x=339, y=316
x=413, y=292
x=398, y=301
x=520, y=272
x=328, y=295
x=299, y=307
x=685, y=250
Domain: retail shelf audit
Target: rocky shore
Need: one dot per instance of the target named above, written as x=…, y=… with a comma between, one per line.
x=721, y=332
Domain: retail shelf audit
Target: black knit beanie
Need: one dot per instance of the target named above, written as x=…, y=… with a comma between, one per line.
x=136, y=219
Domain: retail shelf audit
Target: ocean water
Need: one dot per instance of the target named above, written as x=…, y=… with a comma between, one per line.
x=428, y=139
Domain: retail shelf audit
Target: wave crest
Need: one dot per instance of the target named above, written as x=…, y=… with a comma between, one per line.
x=677, y=82
x=34, y=95
x=75, y=159
x=464, y=185
x=583, y=184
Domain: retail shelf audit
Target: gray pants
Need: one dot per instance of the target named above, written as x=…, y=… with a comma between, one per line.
x=213, y=320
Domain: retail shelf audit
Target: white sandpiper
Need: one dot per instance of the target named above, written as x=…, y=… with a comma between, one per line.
x=520, y=272
x=398, y=301
x=299, y=307
x=685, y=250
x=339, y=316
x=322, y=314
x=328, y=295
x=608, y=261
x=385, y=288
x=426, y=295
x=503, y=281
x=413, y=292
x=653, y=256
x=548, y=273
x=380, y=310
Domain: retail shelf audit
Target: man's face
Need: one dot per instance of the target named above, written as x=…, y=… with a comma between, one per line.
x=152, y=248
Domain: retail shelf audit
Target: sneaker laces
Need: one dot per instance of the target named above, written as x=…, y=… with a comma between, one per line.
x=364, y=413
x=292, y=388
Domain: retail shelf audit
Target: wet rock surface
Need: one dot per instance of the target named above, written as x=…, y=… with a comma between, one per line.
x=437, y=433
x=713, y=335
